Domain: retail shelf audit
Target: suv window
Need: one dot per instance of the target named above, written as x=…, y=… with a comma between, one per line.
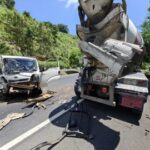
x=19, y=65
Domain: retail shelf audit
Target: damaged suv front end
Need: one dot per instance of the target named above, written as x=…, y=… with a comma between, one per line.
x=19, y=73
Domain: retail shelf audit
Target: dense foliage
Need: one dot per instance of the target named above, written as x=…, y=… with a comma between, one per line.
x=63, y=28
x=7, y=3
x=146, y=36
x=20, y=34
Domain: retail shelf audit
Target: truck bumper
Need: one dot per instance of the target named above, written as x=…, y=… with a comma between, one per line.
x=24, y=86
x=99, y=100
x=133, y=102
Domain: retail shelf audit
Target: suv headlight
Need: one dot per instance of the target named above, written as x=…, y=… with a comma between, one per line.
x=35, y=78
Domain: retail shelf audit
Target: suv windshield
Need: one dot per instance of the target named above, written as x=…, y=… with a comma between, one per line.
x=18, y=65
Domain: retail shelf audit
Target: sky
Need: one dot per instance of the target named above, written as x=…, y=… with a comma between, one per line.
x=65, y=11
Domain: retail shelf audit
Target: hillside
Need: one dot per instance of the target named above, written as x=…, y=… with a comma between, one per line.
x=20, y=34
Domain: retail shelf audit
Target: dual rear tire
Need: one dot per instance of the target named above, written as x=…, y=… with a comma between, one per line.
x=77, y=88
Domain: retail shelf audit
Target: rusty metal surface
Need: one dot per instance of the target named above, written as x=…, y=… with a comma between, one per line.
x=41, y=98
x=96, y=10
x=27, y=86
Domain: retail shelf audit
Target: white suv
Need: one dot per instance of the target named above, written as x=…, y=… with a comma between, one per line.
x=21, y=73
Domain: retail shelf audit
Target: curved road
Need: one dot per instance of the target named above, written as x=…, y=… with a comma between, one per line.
x=112, y=128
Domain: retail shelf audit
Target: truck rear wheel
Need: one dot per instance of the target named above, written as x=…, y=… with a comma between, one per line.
x=137, y=112
x=149, y=86
x=2, y=96
x=77, y=88
x=5, y=91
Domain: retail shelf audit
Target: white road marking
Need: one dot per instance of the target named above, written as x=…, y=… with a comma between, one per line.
x=25, y=135
x=35, y=129
x=54, y=78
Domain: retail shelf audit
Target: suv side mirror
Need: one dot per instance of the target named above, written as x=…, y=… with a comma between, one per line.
x=42, y=69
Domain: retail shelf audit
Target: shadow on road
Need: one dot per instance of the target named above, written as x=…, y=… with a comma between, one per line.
x=102, y=111
x=120, y=113
x=104, y=137
x=16, y=98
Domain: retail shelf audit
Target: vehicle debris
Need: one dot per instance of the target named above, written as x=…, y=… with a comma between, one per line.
x=41, y=98
x=34, y=102
x=147, y=117
x=147, y=132
x=9, y=118
x=40, y=105
x=37, y=101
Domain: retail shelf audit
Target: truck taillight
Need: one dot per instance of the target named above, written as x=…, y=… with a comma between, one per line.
x=141, y=83
x=135, y=82
x=104, y=90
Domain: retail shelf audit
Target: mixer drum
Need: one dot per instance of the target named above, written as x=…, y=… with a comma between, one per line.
x=96, y=10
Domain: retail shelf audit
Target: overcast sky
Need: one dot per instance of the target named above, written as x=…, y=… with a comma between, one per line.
x=65, y=11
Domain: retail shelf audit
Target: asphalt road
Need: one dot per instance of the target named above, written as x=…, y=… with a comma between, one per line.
x=64, y=90
x=111, y=128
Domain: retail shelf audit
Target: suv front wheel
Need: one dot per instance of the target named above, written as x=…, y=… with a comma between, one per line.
x=5, y=89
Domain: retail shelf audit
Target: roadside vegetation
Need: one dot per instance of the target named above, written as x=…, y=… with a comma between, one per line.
x=20, y=34
x=146, y=36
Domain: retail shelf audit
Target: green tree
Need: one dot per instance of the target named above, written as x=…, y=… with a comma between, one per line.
x=146, y=36
x=20, y=34
x=75, y=56
x=26, y=13
x=8, y=3
x=63, y=28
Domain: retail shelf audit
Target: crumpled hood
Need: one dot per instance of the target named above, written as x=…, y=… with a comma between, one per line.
x=20, y=77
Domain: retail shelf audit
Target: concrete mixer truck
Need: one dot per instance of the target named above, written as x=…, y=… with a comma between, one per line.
x=112, y=56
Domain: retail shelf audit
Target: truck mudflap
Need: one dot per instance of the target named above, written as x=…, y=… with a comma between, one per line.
x=132, y=102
